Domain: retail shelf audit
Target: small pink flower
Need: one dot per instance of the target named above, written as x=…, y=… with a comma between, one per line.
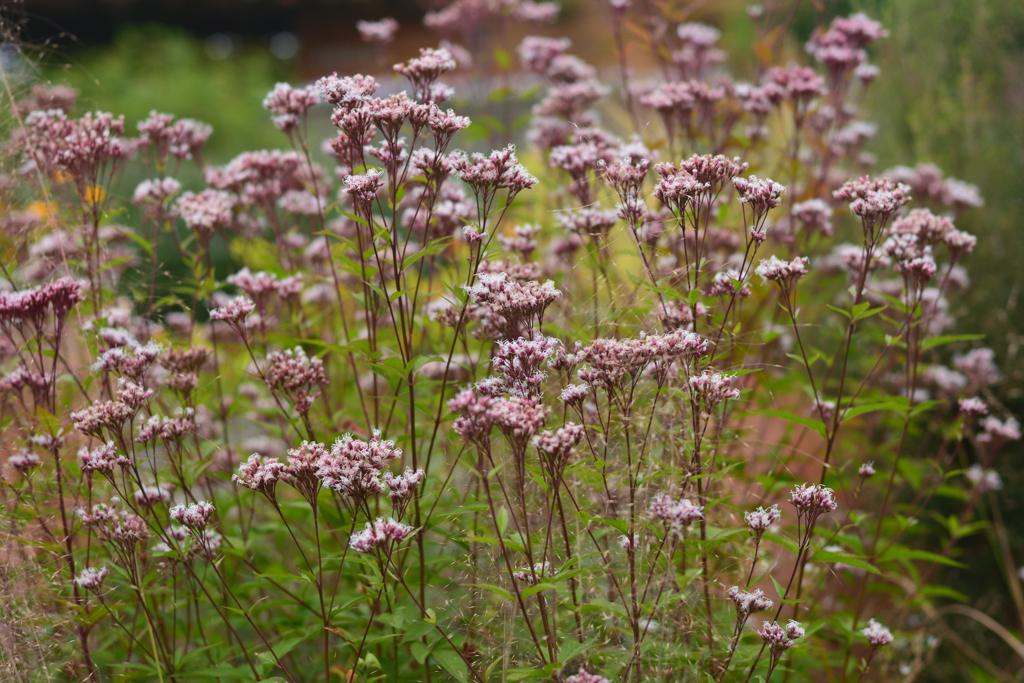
x=91, y=578
x=584, y=677
x=759, y=520
x=383, y=532
x=676, y=514
x=877, y=634
x=194, y=516
x=382, y=31
x=749, y=602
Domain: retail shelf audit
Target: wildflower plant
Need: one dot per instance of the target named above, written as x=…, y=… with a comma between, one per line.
x=502, y=414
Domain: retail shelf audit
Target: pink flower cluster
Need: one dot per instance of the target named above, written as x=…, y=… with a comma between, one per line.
x=811, y=501
x=585, y=677
x=780, y=639
x=112, y=415
x=710, y=389
x=518, y=306
x=88, y=148
x=289, y=105
x=676, y=514
x=353, y=467
x=260, y=474
x=183, y=139
x=382, y=533
x=235, y=313
x=749, y=602
x=518, y=363
x=841, y=46
x=877, y=634
x=783, y=273
x=294, y=372
x=423, y=71
x=874, y=200
x=382, y=31
x=206, y=211
x=531, y=576
x=610, y=362
x=194, y=516
x=102, y=459
x=761, y=519
x=25, y=310
x=91, y=578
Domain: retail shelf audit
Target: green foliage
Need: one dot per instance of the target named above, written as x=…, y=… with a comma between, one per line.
x=153, y=67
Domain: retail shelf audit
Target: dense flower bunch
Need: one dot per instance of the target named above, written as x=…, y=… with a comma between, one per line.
x=448, y=419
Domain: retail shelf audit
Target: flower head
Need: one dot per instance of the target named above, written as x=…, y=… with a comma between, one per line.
x=422, y=71
x=973, y=407
x=382, y=31
x=289, y=104
x=353, y=467
x=533, y=576
x=784, y=273
x=194, y=516
x=91, y=578
x=812, y=501
x=779, y=639
x=676, y=514
x=877, y=634
x=206, y=211
x=749, y=602
x=584, y=677
x=383, y=532
x=347, y=92
x=759, y=520
x=260, y=474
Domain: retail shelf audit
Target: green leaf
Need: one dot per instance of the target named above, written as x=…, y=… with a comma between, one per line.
x=288, y=577
x=451, y=662
x=494, y=589
x=139, y=240
x=839, y=310
x=933, y=591
x=873, y=407
x=949, y=339
x=502, y=59
x=48, y=420
x=572, y=649
x=419, y=651
x=602, y=605
x=800, y=359
x=221, y=672
x=845, y=558
x=502, y=522
x=816, y=425
x=778, y=588
x=539, y=588
x=489, y=540
x=902, y=553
